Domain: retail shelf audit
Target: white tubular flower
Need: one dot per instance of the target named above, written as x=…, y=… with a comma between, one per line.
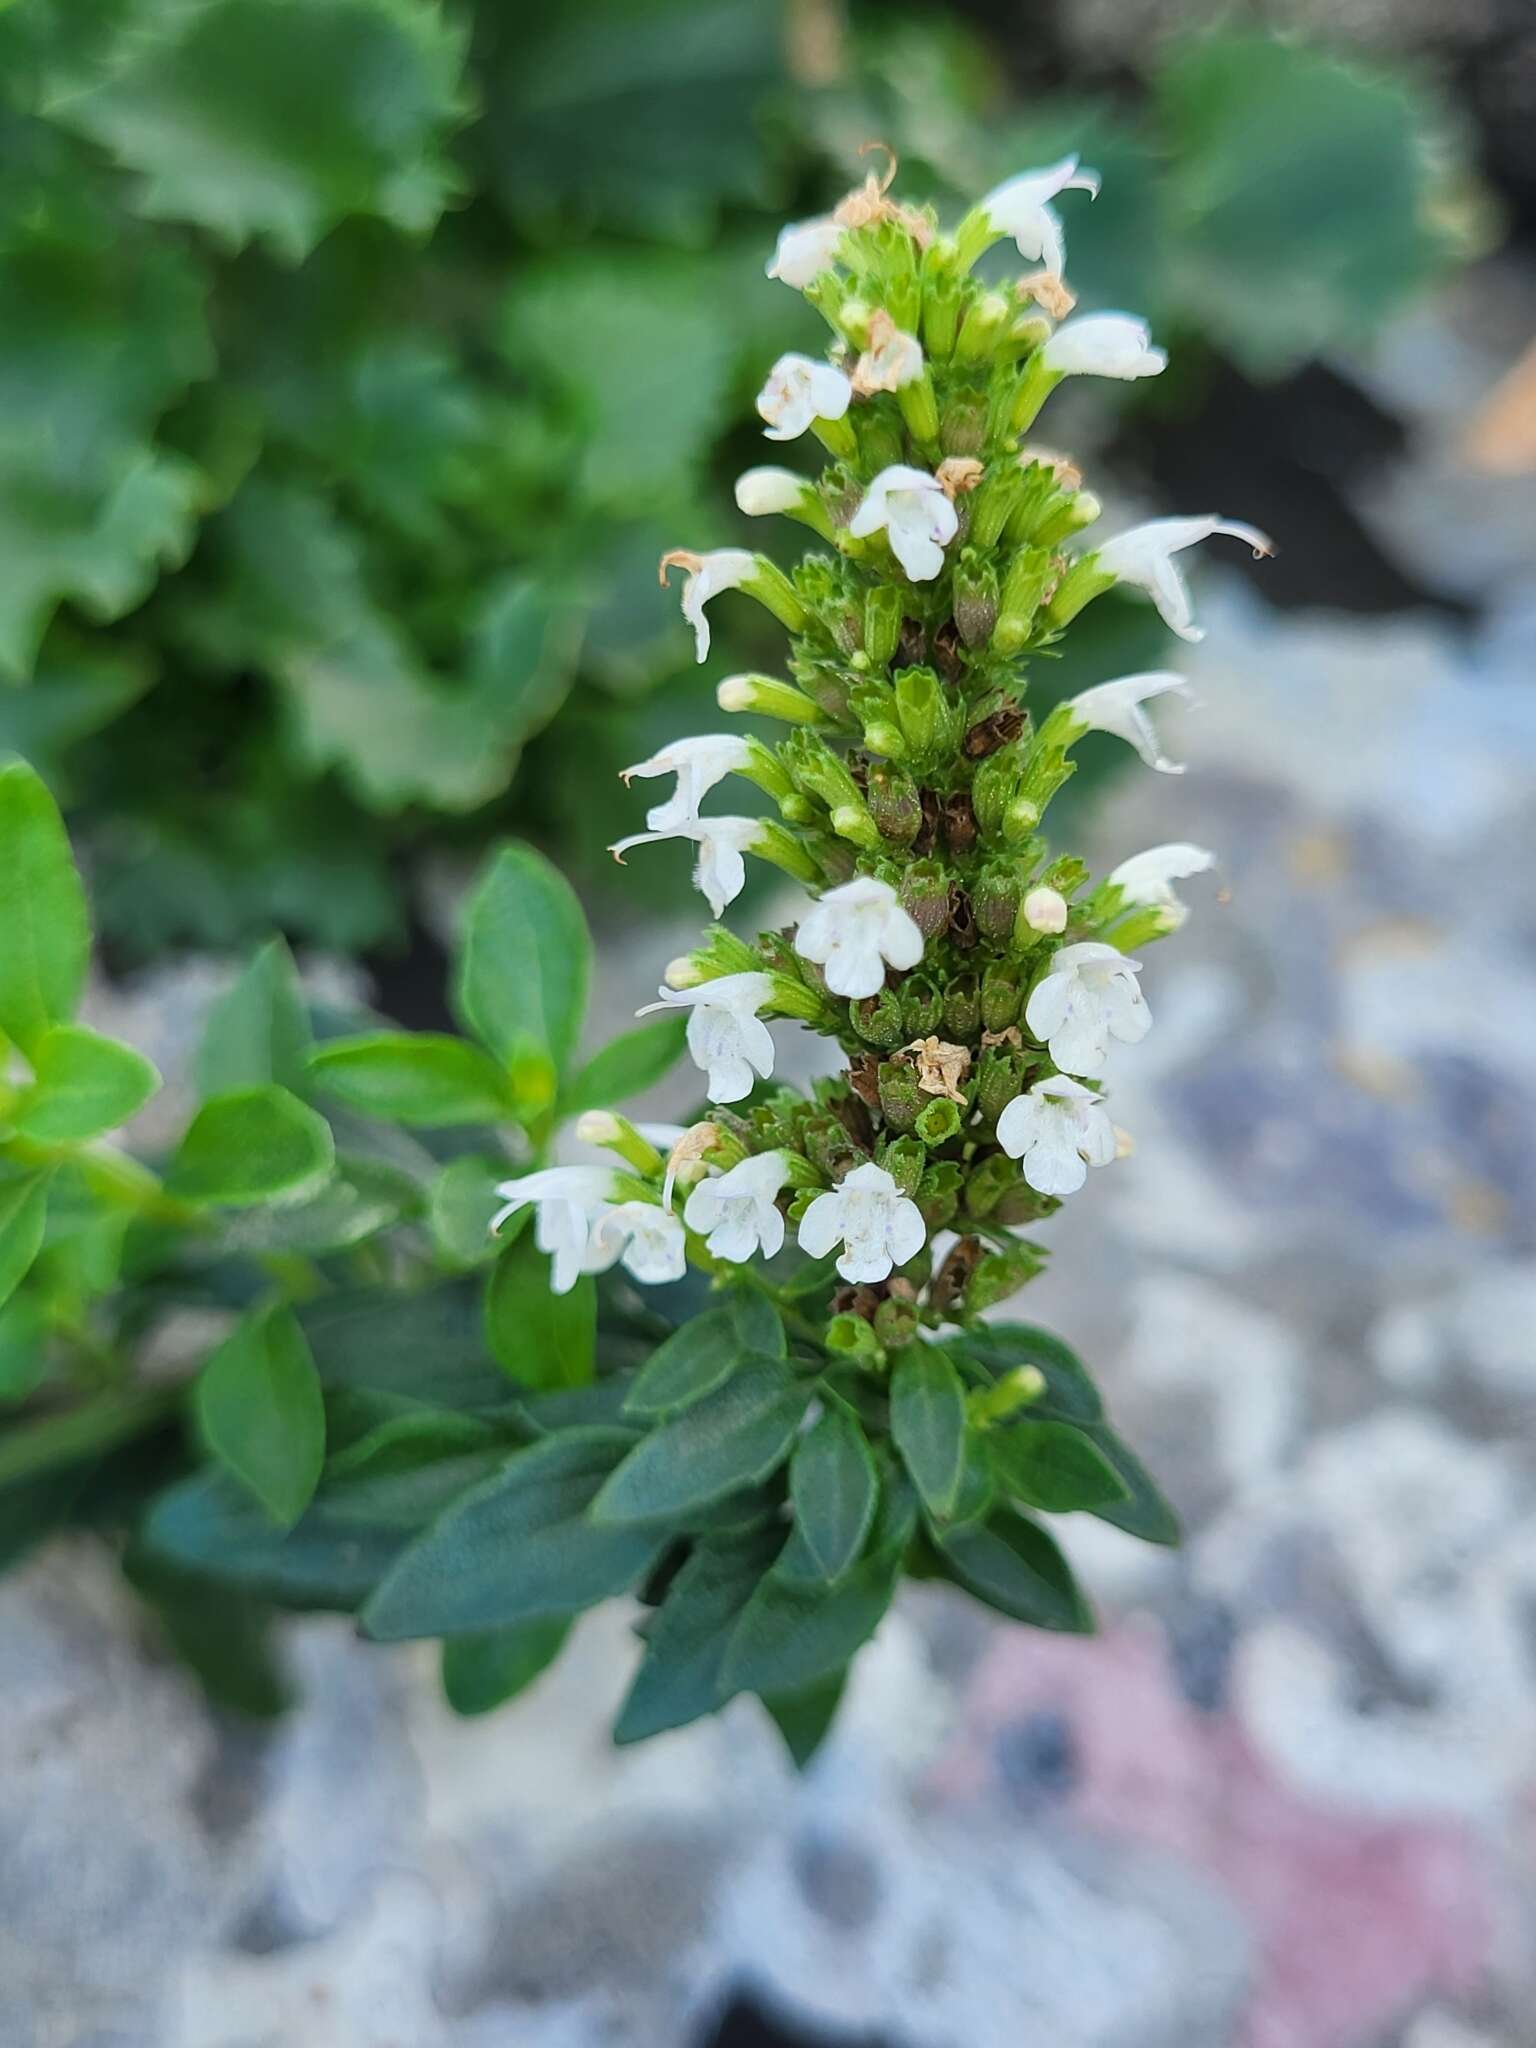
x=720, y=872
x=1021, y=207
x=569, y=1200
x=707, y=575
x=855, y=932
x=799, y=390
x=893, y=358
x=1056, y=1132
x=698, y=763
x=874, y=1222
x=804, y=250
x=1144, y=557
x=917, y=515
x=649, y=1240
x=1090, y=996
x=1148, y=878
x=736, y=1213
x=1045, y=910
x=1104, y=345
x=726, y=1037
x=1116, y=708
x=767, y=490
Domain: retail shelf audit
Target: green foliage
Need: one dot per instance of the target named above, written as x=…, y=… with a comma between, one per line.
x=544, y=1340
x=42, y=912
x=250, y=1146
x=261, y=1413
x=82, y=1084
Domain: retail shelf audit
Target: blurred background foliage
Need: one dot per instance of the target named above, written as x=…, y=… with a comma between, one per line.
x=359, y=357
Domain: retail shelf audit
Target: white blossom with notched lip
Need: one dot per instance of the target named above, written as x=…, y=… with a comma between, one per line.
x=719, y=871
x=855, y=932
x=736, y=1212
x=698, y=763
x=1143, y=556
x=728, y=1040
x=1056, y=1131
x=798, y=390
x=1021, y=207
x=1103, y=345
x=1148, y=878
x=918, y=517
x=1089, y=996
x=648, y=1238
x=707, y=575
x=877, y=1226
x=568, y=1200
x=804, y=250
x=1116, y=707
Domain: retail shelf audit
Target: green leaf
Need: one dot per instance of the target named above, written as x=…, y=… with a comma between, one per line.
x=413, y=1077
x=794, y=1633
x=524, y=958
x=258, y=1030
x=759, y=1326
x=483, y=1672
x=687, y=1638
x=361, y=1199
x=626, y=1066
x=460, y=1207
x=805, y=1718
x=280, y=118
x=1053, y=1466
x=261, y=1415
x=690, y=1363
x=23, y=1215
x=212, y=1526
x=23, y=1347
x=423, y=1346
x=44, y=930
x=251, y=1146
x=1144, y=1512
x=518, y=1547
x=1011, y=1564
x=834, y=1490
x=1298, y=194
x=542, y=1339
x=928, y=1423
x=731, y=1438
x=83, y=1084
x=1001, y=1348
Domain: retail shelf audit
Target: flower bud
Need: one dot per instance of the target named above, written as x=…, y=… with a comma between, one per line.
x=1002, y=998
x=995, y=901
x=883, y=737
x=975, y=598
x=1077, y=510
x=941, y=316
x=1000, y=1274
x=893, y=803
x=1015, y=1390
x=904, y=1160
x=819, y=772
x=896, y=1322
x=924, y=893
x=882, y=622
x=987, y=1182
x=1043, y=910
x=962, y=1009
x=853, y=823
x=994, y=786
x=878, y=1020
x=938, y=1122
x=1082, y=583
x=768, y=698
x=922, y=1007
x=918, y=707
x=983, y=327
x=999, y=1077
x=683, y=972
x=1024, y=586
x=901, y=1100
x=938, y=1194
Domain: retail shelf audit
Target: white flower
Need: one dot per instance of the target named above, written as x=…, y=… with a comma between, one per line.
x=1090, y=996
x=648, y=1238
x=799, y=390
x=735, y=1212
x=1056, y=1132
x=569, y=1201
x=1104, y=345
x=804, y=250
x=766, y=490
x=855, y=932
x=1116, y=708
x=707, y=575
x=719, y=873
x=917, y=516
x=727, y=1039
x=698, y=763
x=1144, y=557
x=1045, y=910
x=1148, y=878
x=1021, y=208
x=876, y=1225
x=892, y=359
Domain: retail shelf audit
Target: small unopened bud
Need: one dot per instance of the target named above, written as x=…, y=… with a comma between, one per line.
x=882, y=736
x=982, y=327
x=893, y=803
x=1082, y=583
x=683, y=972
x=924, y=896
x=993, y=787
x=1045, y=910
x=882, y=622
x=1076, y=510
x=901, y=1100
x=962, y=1009
x=768, y=698
x=975, y=598
x=1015, y=1390
x=1029, y=575
x=853, y=823
x=878, y=1019
x=995, y=901
x=618, y=1134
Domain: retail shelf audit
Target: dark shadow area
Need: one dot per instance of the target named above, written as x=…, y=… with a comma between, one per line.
x=746, y=2024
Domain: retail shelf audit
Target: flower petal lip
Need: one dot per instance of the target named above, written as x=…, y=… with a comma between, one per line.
x=854, y=932
x=1143, y=557
x=804, y=250
x=917, y=514
x=1057, y=1130
x=705, y=577
x=719, y=872
x=1148, y=878
x=737, y=1213
x=727, y=1039
x=1115, y=707
x=1021, y=207
x=800, y=390
x=1104, y=345
x=878, y=1227
x=1089, y=996
x=698, y=762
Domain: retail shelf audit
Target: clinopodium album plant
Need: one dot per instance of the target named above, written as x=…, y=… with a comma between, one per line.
x=752, y=1374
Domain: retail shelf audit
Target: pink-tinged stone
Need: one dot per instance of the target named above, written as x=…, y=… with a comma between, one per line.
x=1356, y=1920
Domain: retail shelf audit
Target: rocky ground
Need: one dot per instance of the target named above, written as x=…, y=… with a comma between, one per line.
x=1285, y=1800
